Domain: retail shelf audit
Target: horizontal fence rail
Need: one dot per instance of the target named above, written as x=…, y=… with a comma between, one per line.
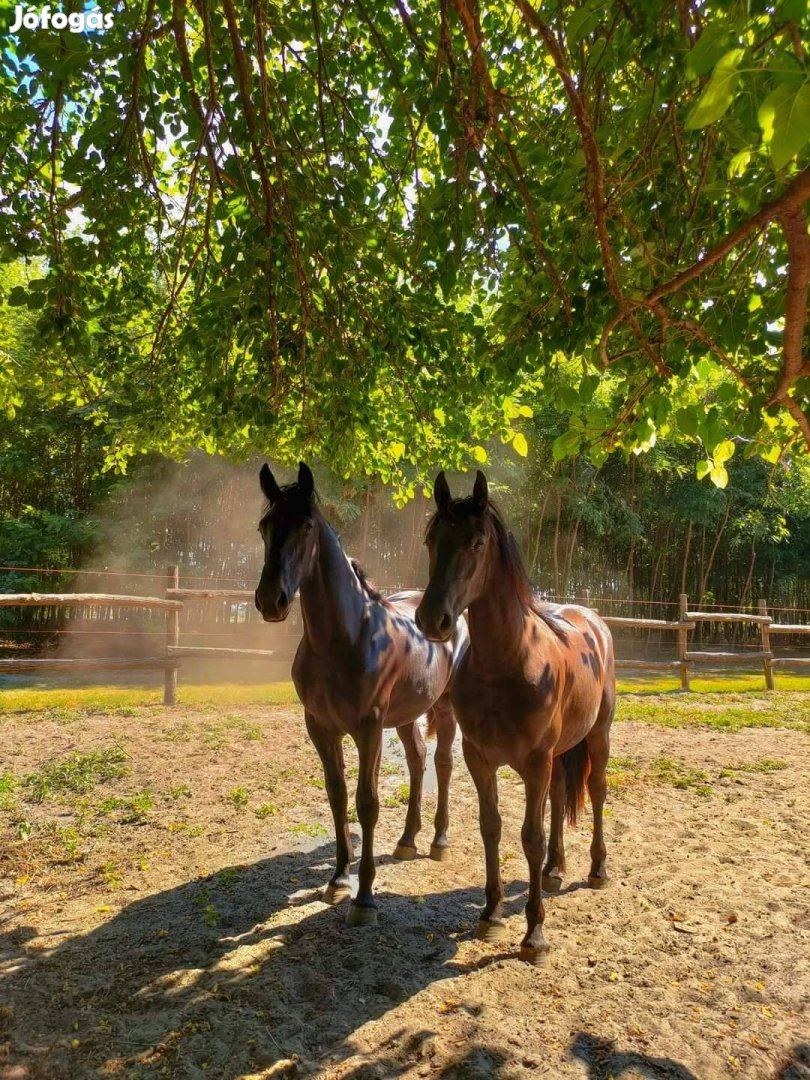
x=178, y=600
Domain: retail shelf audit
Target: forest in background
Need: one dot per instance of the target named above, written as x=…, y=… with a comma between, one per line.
x=639, y=528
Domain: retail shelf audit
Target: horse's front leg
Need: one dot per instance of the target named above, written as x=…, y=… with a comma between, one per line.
x=537, y=779
x=415, y=753
x=330, y=750
x=445, y=720
x=368, y=736
x=490, y=925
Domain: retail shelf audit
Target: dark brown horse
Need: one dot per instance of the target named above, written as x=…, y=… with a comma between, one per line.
x=362, y=665
x=535, y=690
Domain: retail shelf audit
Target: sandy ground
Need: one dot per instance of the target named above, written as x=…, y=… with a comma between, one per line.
x=189, y=940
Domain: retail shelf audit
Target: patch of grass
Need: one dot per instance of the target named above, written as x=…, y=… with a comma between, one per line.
x=266, y=810
x=210, y=915
x=311, y=828
x=63, y=843
x=238, y=797
x=111, y=873
x=399, y=797
x=761, y=765
x=180, y=791
x=134, y=808
x=79, y=772
x=389, y=768
x=8, y=786
x=622, y=770
x=317, y=782
x=721, y=712
x=680, y=775
x=736, y=683
x=227, y=877
x=80, y=699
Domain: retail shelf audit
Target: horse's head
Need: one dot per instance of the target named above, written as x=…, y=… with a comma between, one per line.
x=288, y=532
x=459, y=540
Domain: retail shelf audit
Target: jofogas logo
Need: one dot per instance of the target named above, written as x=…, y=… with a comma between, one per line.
x=77, y=22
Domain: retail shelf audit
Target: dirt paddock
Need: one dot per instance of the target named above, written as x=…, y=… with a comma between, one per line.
x=160, y=913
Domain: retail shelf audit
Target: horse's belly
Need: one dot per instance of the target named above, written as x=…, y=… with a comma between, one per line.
x=338, y=695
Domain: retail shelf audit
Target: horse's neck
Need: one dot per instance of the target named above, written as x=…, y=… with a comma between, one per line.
x=497, y=626
x=332, y=599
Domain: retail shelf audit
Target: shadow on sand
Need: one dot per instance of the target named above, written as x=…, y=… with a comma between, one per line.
x=213, y=977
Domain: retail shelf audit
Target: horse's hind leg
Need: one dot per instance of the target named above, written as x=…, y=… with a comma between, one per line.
x=598, y=742
x=415, y=753
x=537, y=779
x=330, y=751
x=445, y=721
x=490, y=924
x=554, y=869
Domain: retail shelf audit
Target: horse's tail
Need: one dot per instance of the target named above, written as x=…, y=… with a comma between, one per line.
x=430, y=730
x=576, y=764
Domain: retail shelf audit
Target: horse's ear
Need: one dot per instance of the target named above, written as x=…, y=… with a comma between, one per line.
x=268, y=484
x=441, y=493
x=306, y=481
x=480, y=491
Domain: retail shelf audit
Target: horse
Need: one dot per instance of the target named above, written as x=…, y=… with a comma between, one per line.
x=536, y=690
x=362, y=665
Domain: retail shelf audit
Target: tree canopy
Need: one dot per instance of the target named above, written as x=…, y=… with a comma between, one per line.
x=381, y=232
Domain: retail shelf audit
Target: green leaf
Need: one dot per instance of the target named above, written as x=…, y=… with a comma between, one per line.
x=709, y=48
x=520, y=445
x=480, y=454
x=723, y=451
x=739, y=163
x=566, y=445
x=719, y=476
x=720, y=91
x=702, y=469
x=784, y=117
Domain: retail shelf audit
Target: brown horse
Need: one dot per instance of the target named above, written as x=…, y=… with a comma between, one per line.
x=362, y=665
x=536, y=690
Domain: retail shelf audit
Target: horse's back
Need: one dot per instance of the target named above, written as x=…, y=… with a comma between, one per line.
x=586, y=625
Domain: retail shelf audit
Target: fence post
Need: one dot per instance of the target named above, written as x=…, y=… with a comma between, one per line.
x=765, y=630
x=682, y=644
x=172, y=638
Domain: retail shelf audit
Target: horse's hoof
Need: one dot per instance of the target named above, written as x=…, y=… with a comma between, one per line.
x=439, y=853
x=336, y=893
x=361, y=916
x=404, y=852
x=491, y=930
x=533, y=954
x=595, y=882
x=552, y=884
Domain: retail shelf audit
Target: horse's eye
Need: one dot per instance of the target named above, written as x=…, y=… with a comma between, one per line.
x=309, y=526
x=478, y=543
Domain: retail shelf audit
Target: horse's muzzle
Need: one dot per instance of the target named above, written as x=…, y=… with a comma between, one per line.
x=436, y=626
x=275, y=609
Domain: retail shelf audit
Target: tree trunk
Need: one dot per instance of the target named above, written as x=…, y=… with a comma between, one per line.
x=685, y=562
x=704, y=578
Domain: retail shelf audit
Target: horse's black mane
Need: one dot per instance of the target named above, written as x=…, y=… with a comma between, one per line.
x=371, y=592
x=510, y=558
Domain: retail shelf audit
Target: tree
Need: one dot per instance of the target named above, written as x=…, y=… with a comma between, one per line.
x=381, y=233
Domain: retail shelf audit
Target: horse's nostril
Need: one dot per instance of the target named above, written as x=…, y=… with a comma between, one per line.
x=257, y=601
x=283, y=601
x=446, y=622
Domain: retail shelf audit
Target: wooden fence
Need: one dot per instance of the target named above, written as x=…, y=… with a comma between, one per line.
x=176, y=598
